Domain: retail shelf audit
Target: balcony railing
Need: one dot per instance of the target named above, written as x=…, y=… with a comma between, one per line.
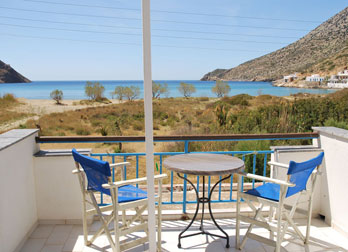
x=265, y=156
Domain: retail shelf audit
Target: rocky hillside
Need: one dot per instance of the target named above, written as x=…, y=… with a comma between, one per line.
x=328, y=40
x=9, y=75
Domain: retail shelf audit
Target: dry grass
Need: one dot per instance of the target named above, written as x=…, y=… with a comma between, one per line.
x=7, y=103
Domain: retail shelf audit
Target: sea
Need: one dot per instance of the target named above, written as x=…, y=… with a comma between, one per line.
x=74, y=90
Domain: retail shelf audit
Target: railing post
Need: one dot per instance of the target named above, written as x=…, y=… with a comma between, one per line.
x=254, y=169
x=185, y=183
x=264, y=166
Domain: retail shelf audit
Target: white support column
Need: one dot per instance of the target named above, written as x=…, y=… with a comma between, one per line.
x=149, y=123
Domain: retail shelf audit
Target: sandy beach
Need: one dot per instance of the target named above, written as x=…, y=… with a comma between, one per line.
x=41, y=107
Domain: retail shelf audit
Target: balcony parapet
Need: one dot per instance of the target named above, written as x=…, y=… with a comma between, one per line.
x=14, y=136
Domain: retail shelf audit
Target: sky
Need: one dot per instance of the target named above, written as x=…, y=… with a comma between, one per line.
x=101, y=40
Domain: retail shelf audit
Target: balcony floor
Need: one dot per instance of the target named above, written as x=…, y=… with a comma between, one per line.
x=51, y=238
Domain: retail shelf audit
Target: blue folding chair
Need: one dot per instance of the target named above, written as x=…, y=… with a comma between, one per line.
x=273, y=194
x=124, y=196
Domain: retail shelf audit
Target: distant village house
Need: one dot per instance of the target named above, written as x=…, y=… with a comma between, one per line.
x=290, y=78
x=314, y=78
x=339, y=80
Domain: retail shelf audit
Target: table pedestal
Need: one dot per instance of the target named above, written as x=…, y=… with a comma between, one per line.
x=204, y=200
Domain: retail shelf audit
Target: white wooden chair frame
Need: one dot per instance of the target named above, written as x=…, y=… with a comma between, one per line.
x=285, y=213
x=127, y=226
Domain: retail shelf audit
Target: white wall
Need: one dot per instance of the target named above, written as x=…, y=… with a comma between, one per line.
x=18, y=212
x=334, y=201
x=59, y=197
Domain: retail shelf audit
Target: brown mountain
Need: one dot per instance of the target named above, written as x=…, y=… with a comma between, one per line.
x=9, y=75
x=328, y=40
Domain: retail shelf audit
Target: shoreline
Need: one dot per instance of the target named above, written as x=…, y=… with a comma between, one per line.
x=301, y=84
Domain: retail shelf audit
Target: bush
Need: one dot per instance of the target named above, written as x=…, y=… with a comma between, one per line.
x=333, y=123
x=119, y=92
x=241, y=99
x=186, y=89
x=82, y=132
x=103, y=131
x=94, y=90
x=132, y=92
x=57, y=95
x=138, y=125
x=158, y=89
x=221, y=89
x=9, y=98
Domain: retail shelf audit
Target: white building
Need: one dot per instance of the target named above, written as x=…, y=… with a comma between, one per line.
x=290, y=78
x=314, y=78
x=339, y=81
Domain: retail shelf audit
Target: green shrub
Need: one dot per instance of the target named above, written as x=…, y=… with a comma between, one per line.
x=241, y=99
x=138, y=125
x=9, y=98
x=333, y=123
x=82, y=132
x=103, y=131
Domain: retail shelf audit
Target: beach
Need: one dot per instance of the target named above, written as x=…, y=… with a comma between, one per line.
x=39, y=107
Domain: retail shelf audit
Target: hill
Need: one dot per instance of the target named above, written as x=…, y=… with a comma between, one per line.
x=9, y=75
x=318, y=50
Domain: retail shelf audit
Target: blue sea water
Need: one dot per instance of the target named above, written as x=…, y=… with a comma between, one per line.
x=75, y=89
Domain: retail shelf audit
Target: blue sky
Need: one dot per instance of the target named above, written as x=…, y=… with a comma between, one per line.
x=98, y=44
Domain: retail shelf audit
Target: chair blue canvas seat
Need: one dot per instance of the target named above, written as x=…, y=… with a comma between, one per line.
x=267, y=191
x=129, y=193
x=98, y=172
x=273, y=194
x=95, y=178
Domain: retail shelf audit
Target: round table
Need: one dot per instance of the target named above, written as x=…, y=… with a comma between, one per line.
x=204, y=164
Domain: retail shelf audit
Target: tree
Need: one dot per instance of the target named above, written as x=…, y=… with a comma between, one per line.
x=131, y=92
x=186, y=89
x=221, y=88
x=57, y=95
x=158, y=89
x=119, y=92
x=94, y=90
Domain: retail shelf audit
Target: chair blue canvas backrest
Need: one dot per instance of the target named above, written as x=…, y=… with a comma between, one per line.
x=300, y=172
x=97, y=171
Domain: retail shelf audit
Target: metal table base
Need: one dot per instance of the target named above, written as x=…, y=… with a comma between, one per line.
x=204, y=200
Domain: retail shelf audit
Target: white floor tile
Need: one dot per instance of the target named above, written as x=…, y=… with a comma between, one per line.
x=33, y=245
x=70, y=238
x=59, y=235
x=52, y=248
x=42, y=231
x=74, y=244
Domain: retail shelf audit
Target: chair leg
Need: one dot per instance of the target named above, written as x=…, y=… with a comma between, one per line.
x=310, y=208
x=257, y=214
x=124, y=223
x=159, y=220
x=270, y=218
x=237, y=243
x=84, y=222
x=279, y=230
x=103, y=222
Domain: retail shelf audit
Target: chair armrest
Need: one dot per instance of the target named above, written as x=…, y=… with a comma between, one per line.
x=132, y=181
x=279, y=164
x=76, y=171
x=119, y=164
x=266, y=179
